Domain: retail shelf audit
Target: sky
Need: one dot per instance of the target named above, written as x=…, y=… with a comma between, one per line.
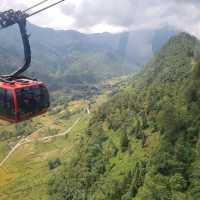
x=91, y=16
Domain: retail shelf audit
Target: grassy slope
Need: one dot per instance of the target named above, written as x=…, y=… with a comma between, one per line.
x=26, y=173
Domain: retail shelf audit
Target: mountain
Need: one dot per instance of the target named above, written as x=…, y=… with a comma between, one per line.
x=143, y=143
x=68, y=57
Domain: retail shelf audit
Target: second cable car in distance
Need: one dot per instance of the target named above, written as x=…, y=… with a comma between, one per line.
x=22, y=97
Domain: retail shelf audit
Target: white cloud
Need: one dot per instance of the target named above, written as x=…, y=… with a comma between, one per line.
x=115, y=15
x=136, y=14
x=52, y=17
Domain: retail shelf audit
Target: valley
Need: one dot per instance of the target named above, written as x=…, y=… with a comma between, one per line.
x=54, y=136
x=66, y=59
x=124, y=85
x=110, y=133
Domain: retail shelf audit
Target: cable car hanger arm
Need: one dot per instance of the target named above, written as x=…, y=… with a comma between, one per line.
x=11, y=17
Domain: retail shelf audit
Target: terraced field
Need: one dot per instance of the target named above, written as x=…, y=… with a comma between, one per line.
x=25, y=174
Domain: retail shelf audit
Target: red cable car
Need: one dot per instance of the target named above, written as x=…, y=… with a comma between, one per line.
x=21, y=97
x=22, y=100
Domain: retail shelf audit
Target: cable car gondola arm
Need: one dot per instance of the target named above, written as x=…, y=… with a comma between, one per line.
x=7, y=19
x=11, y=17
x=27, y=49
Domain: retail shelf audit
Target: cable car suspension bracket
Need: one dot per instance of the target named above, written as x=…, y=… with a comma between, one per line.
x=11, y=17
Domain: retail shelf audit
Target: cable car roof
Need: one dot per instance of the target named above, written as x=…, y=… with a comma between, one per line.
x=22, y=83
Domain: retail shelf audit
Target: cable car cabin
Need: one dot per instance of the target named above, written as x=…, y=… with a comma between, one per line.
x=22, y=99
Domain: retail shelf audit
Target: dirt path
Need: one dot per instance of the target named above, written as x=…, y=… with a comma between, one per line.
x=29, y=140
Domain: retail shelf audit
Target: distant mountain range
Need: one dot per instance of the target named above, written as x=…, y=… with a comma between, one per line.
x=73, y=57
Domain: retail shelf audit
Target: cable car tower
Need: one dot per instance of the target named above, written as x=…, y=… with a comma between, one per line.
x=22, y=97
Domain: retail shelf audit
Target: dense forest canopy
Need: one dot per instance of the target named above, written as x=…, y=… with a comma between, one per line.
x=144, y=142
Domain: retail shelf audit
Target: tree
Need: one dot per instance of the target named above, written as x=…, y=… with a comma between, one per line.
x=178, y=183
x=124, y=142
x=196, y=69
x=168, y=120
x=54, y=163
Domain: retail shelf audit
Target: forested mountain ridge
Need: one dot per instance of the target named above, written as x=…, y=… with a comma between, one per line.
x=65, y=57
x=144, y=142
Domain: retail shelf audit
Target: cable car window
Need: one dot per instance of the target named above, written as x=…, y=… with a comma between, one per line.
x=2, y=98
x=6, y=103
x=9, y=104
x=44, y=97
x=26, y=101
x=32, y=100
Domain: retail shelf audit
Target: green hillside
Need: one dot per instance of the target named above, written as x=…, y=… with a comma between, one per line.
x=143, y=143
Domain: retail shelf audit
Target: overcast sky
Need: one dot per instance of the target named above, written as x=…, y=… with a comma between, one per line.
x=115, y=15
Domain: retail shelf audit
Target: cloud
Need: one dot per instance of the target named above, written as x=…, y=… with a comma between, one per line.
x=8, y=4
x=52, y=17
x=135, y=14
x=115, y=15
x=90, y=13
x=68, y=9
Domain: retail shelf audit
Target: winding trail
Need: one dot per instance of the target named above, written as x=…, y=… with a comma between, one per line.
x=27, y=140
